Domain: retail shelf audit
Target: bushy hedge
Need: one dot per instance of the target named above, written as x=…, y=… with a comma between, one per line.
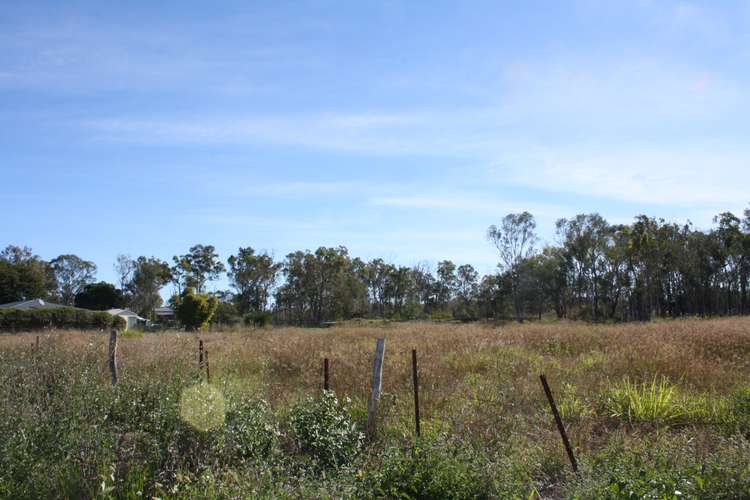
x=13, y=320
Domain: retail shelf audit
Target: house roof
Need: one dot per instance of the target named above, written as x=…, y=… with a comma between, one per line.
x=124, y=313
x=164, y=311
x=30, y=304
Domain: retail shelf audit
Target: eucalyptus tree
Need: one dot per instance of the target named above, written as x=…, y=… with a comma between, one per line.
x=731, y=260
x=375, y=276
x=124, y=267
x=585, y=239
x=317, y=285
x=398, y=288
x=446, y=284
x=71, y=273
x=254, y=276
x=514, y=239
x=745, y=268
x=149, y=276
x=467, y=286
x=196, y=268
x=424, y=286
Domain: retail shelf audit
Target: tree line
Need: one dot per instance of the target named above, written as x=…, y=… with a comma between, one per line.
x=595, y=271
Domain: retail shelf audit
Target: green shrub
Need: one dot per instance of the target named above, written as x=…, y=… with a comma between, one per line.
x=669, y=467
x=195, y=310
x=15, y=320
x=250, y=432
x=430, y=470
x=323, y=428
x=739, y=403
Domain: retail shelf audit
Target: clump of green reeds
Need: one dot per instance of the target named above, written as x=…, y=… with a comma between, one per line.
x=654, y=401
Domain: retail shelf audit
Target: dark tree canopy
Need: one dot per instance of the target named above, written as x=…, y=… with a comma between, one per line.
x=24, y=276
x=100, y=297
x=597, y=271
x=253, y=276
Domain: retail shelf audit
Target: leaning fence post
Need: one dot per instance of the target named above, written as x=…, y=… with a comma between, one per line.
x=208, y=367
x=415, y=379
x=326, y=376
x=377, y=381
x=113, y=355
x=560, y=426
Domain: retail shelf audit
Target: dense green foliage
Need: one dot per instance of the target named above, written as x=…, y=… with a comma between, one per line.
x=149, y=275
x=253, y=276
x=195, y=310
x=324, y=429
x=24, y=276
x=100, y=297
x=196, y=268
x=598, y=271
x=18, y=320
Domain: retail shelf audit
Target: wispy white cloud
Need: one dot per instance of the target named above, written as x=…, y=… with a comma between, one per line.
x=463, y=201
x=376, y=133
x=686, y=175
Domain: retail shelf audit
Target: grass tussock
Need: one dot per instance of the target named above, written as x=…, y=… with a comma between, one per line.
x=676, y=393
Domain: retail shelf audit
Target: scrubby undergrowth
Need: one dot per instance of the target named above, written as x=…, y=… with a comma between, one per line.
x=654, y=411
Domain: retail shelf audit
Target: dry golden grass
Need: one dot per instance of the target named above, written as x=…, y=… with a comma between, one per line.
x=469, y=373
x=478, y=382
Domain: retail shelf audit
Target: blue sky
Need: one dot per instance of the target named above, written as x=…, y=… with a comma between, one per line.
x=398, y=129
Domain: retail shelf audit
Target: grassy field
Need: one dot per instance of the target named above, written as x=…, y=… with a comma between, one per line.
x=657, y=410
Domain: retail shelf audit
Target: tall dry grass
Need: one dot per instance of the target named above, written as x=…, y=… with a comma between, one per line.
x=463, y=367
x=478, y=382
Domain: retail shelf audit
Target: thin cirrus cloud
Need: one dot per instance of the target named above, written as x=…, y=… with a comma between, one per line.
x=569, y=125
x=359, y=132
x=686, y=176
x=466, y=202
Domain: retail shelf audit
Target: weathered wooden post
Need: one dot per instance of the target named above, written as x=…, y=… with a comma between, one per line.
x=200, y=355
x=415, y=379
x=208, y=367
x=113, y=356
x=326, y=376
x=377, y=381
x=37, y=343
x=560, y=426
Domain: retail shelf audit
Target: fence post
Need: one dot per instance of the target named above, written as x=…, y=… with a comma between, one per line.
x=208, y=367
x=112, y=355
x=200, y=355
x=560, y=426
x=37, y=343
x=326, y=375
x=377, y=381
x=415, y=379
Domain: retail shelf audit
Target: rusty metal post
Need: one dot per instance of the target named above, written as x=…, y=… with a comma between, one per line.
x=560, y=426
x=326, y=375
x=415, y=380
x=208, y=367
x=200, y=355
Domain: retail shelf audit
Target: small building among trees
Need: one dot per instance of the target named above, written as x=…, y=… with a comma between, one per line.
x=131, y=318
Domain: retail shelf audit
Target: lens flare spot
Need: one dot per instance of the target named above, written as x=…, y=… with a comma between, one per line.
x=203, y=407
